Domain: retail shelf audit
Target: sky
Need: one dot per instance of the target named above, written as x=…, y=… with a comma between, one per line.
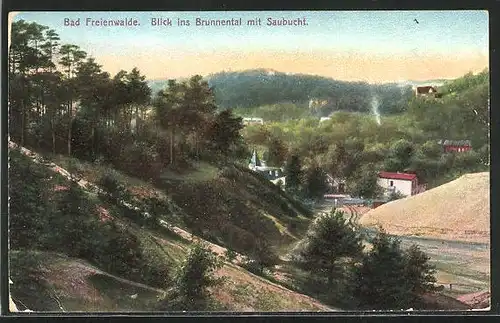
x=373, y=46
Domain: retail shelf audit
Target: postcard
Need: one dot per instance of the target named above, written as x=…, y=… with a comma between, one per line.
x=249, y=161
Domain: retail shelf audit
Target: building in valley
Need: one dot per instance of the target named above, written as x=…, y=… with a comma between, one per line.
x=455, y=145
x=404, y=183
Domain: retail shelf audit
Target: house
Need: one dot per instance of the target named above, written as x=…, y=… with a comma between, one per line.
x=455, y=145
x=404, y=183
x=425, y=91
x=274, y=174
x=252, y=121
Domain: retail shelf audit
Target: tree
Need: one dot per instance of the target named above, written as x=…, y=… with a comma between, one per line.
x=400, y=156
x=71, y=58
x=224, y=132
x=365, y=183
x=94, y=92
x=419, y=274
x=390, y=278
x=380, y=279
x=276, y=152
x=192, y=279
x=314, y=181
x=168, y=106
x=329, y=239
x=293, y=173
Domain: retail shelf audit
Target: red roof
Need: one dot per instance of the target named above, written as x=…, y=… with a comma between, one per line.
x=402, y=176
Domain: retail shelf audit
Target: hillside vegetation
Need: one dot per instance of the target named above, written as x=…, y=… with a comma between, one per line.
x=107, y=261
x=354, y=146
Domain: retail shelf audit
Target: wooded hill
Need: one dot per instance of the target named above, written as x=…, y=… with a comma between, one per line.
x=259, y=87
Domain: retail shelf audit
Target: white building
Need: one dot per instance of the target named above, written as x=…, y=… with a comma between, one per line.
x=250, y=121
x=406, y=184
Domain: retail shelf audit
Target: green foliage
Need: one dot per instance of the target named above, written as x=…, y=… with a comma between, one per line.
x=192, y=281
x=276, y=112
x=293, y=173
x=419, y=274
x=224, y=133
x=48, y=213
x=396, y=195
x=314, y=182
x=390, y=278
x=113, y=189
x=328, y=241
x=364, y=184
x=274, y=92
x=276, y=152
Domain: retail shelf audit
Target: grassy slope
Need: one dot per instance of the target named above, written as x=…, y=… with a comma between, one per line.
x=228, y=207
x=74, y=285
x=58, y=283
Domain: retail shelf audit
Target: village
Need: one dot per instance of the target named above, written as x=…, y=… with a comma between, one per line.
x=393, y=184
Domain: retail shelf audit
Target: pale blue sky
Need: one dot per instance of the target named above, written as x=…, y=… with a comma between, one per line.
x=374, y=31
x=385, y=33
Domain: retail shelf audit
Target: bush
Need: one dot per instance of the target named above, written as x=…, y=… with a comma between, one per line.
x=396, y=195
x=230, y=255
x=191, y=281
x=113, y=190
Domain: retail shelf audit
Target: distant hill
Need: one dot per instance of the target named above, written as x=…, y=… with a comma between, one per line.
x=259, y=87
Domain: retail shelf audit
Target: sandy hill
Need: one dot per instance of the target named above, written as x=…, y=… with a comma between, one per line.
x=458, y=210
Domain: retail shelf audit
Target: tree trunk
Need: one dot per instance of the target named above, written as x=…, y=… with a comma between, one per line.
x=93, y=142
x=70, y=124
x=23, y=121
x=53, y=130
x=69, y=136
x=172, y=134
x=137, y=119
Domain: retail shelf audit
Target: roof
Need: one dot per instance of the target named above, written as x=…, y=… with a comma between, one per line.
x=402, y=176
x=426, y=89
x=454, y=142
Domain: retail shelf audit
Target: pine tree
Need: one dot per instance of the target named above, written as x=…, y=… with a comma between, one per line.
x=329, y=239
x=192, y=279
x=381, y=283
x=293, y=173
x=419, y=274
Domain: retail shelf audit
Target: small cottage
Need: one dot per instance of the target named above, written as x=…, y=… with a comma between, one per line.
x=425, y=91
x=455, y=145
x=404, y=183
x=252, y=121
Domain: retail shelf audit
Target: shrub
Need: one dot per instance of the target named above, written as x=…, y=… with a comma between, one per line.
x=113, y=190
x=192, y=279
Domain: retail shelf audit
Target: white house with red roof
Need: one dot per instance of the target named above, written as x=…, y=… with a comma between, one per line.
x=404, y=183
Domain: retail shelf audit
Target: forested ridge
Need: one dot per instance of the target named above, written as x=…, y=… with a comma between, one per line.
x=260, y=87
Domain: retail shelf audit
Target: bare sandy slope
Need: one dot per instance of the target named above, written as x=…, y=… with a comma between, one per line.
x=458, y=210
